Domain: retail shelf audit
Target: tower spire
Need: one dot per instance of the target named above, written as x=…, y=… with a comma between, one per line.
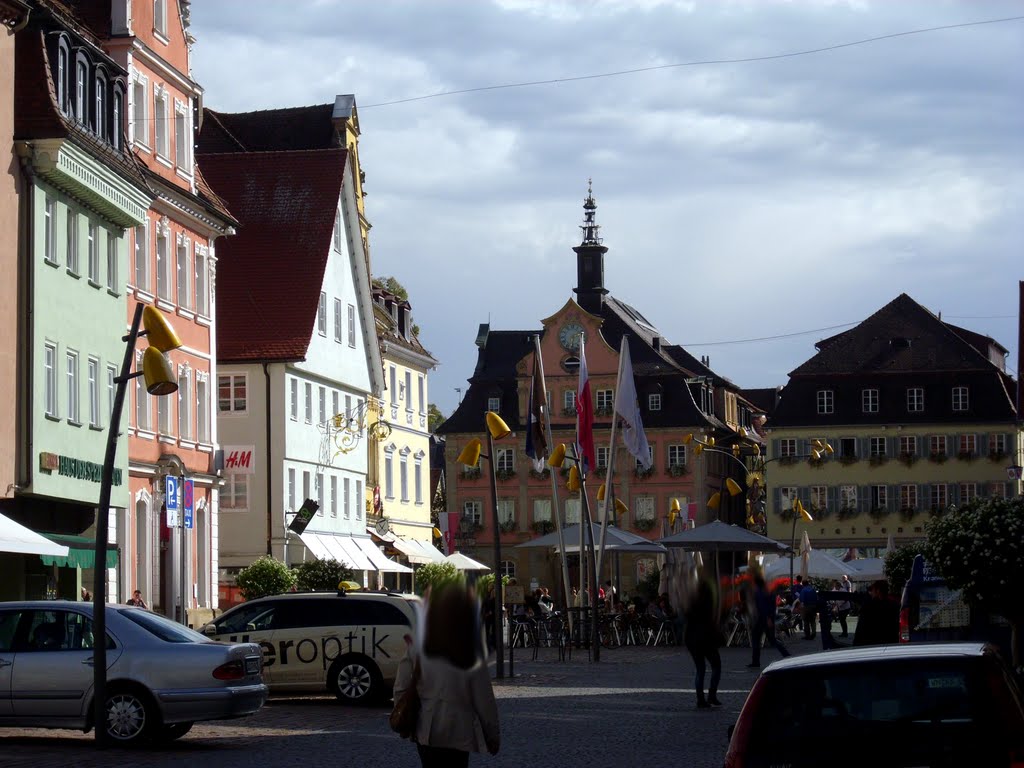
x=590, y=228
x=590, y=253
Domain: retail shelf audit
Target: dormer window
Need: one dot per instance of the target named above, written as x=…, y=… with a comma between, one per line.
x=654, y=402
x=116, y=117
x=960, y=399
x=81, y=77
x=160, y=17
x=62, y=77
x=100, y=106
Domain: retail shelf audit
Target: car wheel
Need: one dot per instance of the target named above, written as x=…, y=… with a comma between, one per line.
x=355, y=680
x=131, y=716
x=174, y=731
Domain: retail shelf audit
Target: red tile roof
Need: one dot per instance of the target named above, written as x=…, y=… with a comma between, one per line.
x=269, y=275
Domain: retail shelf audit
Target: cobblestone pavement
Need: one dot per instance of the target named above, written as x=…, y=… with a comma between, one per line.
x=635, y=707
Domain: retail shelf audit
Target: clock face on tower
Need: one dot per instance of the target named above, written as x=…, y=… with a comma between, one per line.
x=569, y=336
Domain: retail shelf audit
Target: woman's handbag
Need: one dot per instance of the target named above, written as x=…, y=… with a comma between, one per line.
x=406, y=713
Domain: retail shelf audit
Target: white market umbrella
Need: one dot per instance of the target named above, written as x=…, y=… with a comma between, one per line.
x=820, y=565
x=805, y=555
x=15, y=537
x=866, y=569
x=464, y=563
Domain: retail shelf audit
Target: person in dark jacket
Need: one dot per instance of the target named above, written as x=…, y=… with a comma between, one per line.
x=879, y=620
x=703, y=638
x=763, y=622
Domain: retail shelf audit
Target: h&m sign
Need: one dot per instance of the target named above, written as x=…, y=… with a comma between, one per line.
x=238, y=460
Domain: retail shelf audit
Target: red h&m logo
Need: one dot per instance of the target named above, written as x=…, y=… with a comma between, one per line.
x=238, y=460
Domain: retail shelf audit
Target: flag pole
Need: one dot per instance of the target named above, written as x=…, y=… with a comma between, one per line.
x=554, y=482
x=609, y=493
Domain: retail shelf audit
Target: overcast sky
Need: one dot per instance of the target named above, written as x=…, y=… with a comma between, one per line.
x=737, y=200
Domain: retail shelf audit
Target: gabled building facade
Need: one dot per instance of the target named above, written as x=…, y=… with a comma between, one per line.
x=921, y=416
x=300, y=368
x=81, y=192
x=678, y=396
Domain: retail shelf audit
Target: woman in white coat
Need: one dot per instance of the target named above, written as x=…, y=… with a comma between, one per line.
x=458, y=712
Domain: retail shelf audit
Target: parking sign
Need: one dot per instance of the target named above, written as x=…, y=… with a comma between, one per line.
x=188, y=507
x=171, y=500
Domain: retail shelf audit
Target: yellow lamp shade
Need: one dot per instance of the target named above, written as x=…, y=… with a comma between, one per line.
x=557, y=457
x=697, y=449
x=156, y=368
x=804, y=513
x=757, y=450
x=470, y=455
x=674, y=506
x=711, y=442
x=158, y=331
x=688, y=438
x=715, y=500
x=751, y=522
x=733, y=486
x=601, y=492
x=574, y=479
x=349, y=586
x=620, y=507
x=496, y=426
x=437, y=533
x=736, y=450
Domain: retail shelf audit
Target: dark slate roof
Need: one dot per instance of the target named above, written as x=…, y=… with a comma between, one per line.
x=764, y=398
x=391, y=334
x=269, y=274
x=295, y=128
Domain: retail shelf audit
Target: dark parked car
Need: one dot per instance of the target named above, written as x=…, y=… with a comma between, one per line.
x=938, y=705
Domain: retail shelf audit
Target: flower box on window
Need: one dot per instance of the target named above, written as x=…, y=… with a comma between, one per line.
x=878, y=513
x=786, y=460
x=937, y=511
x=847, y=513
x=504, y=474
x=470, y=473
x=849, y=459
x=677, y=470
x=907, y=513
x=642, y=474
x=507, y=526
x=817, y=463
x=603, y=411
x=542, y=527
x=967, y=455
x=877, y=461
x=544, y=474
x=643, y=523
x=468, y=525
x=937, y=457
x=996, y=456
x=908, y=458
x=601, y=472
x=568, y=411
x=786, y=515
x=819, y=513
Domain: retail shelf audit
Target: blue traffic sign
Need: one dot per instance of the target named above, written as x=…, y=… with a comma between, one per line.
x=171, y=493
x=188, y=505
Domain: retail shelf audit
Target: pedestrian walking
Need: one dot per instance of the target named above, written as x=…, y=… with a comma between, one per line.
x=458, y=713
x=843, y=607
x=764, y=622
x=137, y=601
x=703, y=637
x=809, y=610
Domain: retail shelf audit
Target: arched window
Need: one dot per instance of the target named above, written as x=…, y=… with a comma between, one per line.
x=62, y=76
x=99, y=117
x=116, y=115
x=81, y=89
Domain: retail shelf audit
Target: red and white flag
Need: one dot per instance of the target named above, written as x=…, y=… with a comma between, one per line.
x=585, y=416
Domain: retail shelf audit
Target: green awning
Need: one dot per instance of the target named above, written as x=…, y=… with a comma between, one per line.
x=81, y=552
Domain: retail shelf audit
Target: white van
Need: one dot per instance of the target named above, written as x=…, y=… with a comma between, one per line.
x=346, y=643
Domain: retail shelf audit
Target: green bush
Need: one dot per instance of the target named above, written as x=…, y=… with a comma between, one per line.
x=266, y=576
x=314, y=575
x=898, y=563
x=435, y=574
x=485, y=582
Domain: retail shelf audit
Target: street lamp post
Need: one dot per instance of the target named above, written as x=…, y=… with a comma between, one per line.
x=470, y=456
x=159, y=381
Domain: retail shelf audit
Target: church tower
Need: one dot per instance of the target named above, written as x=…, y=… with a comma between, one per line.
x=590, y=253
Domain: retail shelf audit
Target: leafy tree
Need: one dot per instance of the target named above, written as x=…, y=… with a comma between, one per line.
x=435, y=574
x=391, y=285
x=898, y=563
x=434, y=417
x=979, y=549
x=485, y=582
x=266, y=576
x=316, y=575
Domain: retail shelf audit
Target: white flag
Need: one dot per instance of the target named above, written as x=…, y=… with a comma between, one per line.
x=628, y=409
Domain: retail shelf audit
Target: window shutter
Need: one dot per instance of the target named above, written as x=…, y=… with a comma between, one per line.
x=864, y=497
x=924, y=496
x=775, y=454
x=802, y=447
x=983, y=444
x=830, y=499
x=892, y=446
x=953, y=493
x=953, y=444
x=804, y=494
x=983, y=488
x=778, y=500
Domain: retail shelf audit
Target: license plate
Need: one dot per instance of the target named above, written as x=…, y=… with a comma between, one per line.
x=253, y=665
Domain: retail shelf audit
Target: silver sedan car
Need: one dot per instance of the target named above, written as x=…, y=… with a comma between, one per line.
x=161, y=676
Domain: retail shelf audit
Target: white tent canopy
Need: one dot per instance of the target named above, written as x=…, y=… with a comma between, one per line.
x=866, y=569
x=15, y=537
x=821, y=565
x=464, y=563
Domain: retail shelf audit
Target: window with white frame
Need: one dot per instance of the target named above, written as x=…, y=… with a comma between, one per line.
x=997, y=444
x=393, y=384
x=506, y=513
x=307, y=392
x=71, y=371
x=915, y=399
x=346, y=504
x=337, y=320
x=93, y=376
x=50, y=378
x=293, y=399
x=111, y=389
x=650, y=456
x=494, y=404
x=819, y=498
x=116, y=112
x=72, y=254
x=407, y=390
x=572, y=511
x=334, y=402
x=826, y=401
x=232, y=389
x=163, y=415
x=81, y=76
x=163, y=263
x=306, y=485
x=418, y=481
x=160, y=119
x=359, y=500
x=292, y=501
x=877, y=448
x=847, y=496
x=677, y=455
x=542, y=510
x=643, y=509
x=62, y=78
x=337, y=231
x=960, y=399
x=348, y=407
x=334, y=496
x=968, y=492
x=203, y=406
x=508, y=569
x=869, y=400
x=937, y=445
x=998, y=490
x=322, y=405
x=160, y=17
x=351, y=325
x=403, y=476
x=92, y=251
x=880, y=497
x=140, y=112
x=939, y=496
x=506, y=460
x=908, y=446
x=968, y=446
x=184, y=273
x=787, y=447
x=473, y=512
x=605, y=400
x=320, y=493
x=421, y=391
x=569, y=402
x=182, y=138
x=234, y=494
x=321, y=315
x=202, y=282
x=112, y=246
x=99, y=116
x=50, y=230
x=602, y=457
x=654, y=402
x=389, y=476
x=787, y=497
x=142, y=256
x=184, y=403
x=908, y=496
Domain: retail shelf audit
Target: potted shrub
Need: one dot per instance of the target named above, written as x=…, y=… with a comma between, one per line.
x=544, y=474
x=677, y=470
x=542, y=527
x=643, y=523
x=937, y=457
x=642, y=474
x=908, y=458
x=471, y=473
